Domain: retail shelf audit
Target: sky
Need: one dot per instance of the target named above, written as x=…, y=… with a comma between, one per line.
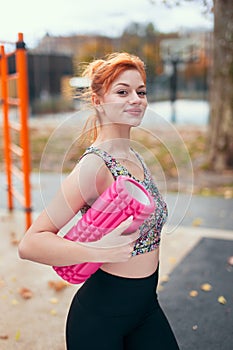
x=105, y=17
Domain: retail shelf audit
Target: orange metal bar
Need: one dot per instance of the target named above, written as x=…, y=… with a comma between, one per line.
x=21, y=67
x=22, y=150
x=7, y=141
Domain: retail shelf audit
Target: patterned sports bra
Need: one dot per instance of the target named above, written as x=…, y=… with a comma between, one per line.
x=150, y=230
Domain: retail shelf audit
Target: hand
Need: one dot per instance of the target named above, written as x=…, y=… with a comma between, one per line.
x=115, y=247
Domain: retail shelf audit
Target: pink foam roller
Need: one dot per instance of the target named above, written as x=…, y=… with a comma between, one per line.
x=125, y=197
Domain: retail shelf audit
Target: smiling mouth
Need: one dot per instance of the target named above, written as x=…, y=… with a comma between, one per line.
x=134, y=111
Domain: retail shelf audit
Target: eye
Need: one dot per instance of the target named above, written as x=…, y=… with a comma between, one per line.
x=142, y=93
x=122, y=92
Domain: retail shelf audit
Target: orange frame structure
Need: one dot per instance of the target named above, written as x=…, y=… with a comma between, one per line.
x=21, y=150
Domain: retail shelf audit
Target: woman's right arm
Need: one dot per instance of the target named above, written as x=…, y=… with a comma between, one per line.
x=41, y=242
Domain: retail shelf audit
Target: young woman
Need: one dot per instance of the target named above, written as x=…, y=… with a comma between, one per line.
x=117, y=307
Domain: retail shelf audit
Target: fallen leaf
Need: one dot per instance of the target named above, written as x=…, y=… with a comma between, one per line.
x=193, y=293
x=4, y=296
x=14, y=240
x=206, y=287
x=53, y=301
x=222, y=300
x=4, y=336
x=17, y=335
x=172, y=260
x=164, y=278
x=57, y=285
x=14, y=302
x=197, y=222
x=53, y=312
x=2, y=282
x=25, y=293
x=160, y=288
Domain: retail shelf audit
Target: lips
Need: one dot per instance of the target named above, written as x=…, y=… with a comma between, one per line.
x=134, y=111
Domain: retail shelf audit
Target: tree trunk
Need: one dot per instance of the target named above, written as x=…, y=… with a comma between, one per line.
x=221, y=89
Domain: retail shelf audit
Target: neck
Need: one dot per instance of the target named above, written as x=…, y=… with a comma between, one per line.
x=115, y=139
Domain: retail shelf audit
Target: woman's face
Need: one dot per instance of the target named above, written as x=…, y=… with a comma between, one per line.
x=125, y=101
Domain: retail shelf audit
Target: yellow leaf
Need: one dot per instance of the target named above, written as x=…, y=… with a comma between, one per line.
x=222, y=300
x=164, y=278
x=193, y=293
x=14, y=302
x=17, y=335
x=53, y=300
x=197, y=222
x=160, y=288
x=53, y=312
x=172, y=260
x=206, y=287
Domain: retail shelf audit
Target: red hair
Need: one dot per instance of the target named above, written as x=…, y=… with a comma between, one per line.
x=102, y=73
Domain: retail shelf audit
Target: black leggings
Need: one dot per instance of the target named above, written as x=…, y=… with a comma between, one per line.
x=115, y=313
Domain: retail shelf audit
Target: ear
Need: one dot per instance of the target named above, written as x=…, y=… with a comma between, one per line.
x=95, y=100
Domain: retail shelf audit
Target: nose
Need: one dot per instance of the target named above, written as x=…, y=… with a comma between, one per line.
x=134, y=98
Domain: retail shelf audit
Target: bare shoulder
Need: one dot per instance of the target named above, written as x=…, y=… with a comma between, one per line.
x=93, y=176
x=82, y=186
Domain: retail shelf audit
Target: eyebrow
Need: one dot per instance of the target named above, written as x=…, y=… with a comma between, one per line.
x=127, y=85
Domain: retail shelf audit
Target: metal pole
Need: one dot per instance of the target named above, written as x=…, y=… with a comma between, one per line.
x=6, y=129
x=173, y=89
x=21, y=66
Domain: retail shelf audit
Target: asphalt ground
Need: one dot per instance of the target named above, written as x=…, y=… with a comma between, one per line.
x=201, y=321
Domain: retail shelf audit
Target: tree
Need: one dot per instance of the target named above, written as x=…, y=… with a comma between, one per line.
x=220, y=140
x=221, y=90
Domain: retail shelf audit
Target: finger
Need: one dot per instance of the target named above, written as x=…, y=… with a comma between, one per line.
x=122, y=226
x=124, y=240
x=133, y=236
x=126, y=223
x=128, y=239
